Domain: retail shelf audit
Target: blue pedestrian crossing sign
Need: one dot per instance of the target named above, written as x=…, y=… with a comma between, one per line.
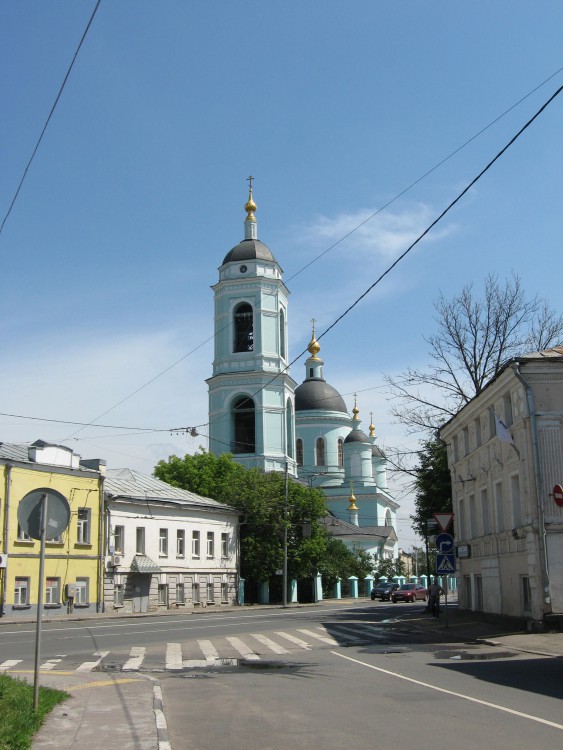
x=445, y=563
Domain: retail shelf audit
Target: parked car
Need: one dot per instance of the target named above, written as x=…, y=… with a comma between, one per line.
x=409, y=592
x=383, y=590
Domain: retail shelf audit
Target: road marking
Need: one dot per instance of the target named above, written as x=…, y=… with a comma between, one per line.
x=296, y=640
x=270, y=644
x=88, y=666
x=243, y=649
x=349, y=633
x=51, y=664
x=330, y=641
x=136, y=658
x=451, y=692
x=208, y=650
x=101, y=683
x=9, y=664
x=174, y=656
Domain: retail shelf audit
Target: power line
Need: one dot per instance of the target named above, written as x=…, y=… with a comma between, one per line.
x=49, y=117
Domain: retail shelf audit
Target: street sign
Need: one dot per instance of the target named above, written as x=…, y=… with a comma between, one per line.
x=58, y=513
x=445, y=543
x=445, y=564
x=444, y=520
x=558, y=495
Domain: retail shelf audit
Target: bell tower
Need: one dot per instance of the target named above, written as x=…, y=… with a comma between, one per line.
x=251, y=394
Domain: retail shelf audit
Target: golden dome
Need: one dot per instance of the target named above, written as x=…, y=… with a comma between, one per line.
x=314, y=346
x=355, y=410
x=371, y=426
x=250, y=206
x=352, y=505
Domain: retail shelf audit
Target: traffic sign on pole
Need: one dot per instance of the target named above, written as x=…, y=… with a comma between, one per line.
x=444, y=520
x=445, y=543
x=445, y=564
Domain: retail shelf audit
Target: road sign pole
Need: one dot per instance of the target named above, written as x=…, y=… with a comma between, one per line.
x=44, y=502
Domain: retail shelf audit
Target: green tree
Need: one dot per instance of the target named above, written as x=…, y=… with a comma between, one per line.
x=389, y=568
x=260, y=499
x=432, y=484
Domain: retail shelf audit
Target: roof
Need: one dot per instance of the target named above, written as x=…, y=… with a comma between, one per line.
x=339, y=528
x=316, y=393
x=356, y=436
x=377, y=452
x=249, y=250
x=20, y=452
x=144, y=564
x=132, y=485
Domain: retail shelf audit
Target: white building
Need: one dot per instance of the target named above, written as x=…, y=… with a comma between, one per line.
x=166, y=547
x=505, y=451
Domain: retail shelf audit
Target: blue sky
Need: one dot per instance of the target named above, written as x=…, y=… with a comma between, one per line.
x=137, y=192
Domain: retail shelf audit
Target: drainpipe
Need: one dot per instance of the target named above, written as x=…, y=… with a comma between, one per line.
x=9, y=468
x=101, y=550
x=539, y=487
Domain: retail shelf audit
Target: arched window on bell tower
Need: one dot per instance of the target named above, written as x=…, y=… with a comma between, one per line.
x=299, y=451
x=282, y=334
x=243, y=327
x=289, y=428
x=340, y=449
x=320, y=445
x=244, y=425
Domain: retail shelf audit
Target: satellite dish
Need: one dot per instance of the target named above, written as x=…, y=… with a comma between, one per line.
x=58, y=513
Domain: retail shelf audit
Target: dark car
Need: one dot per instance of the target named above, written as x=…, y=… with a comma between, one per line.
x=383, y=590
x=409, y=592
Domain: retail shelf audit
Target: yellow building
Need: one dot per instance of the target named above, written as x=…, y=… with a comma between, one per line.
x=73, y=561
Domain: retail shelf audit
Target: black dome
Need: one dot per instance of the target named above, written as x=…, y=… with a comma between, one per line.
x=249, y=250
x=316, y=393
x=356, y=436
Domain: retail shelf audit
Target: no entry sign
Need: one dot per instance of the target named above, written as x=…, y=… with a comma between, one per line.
x=558, y=494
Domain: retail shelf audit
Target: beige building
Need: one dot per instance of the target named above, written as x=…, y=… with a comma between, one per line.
x=505, y=452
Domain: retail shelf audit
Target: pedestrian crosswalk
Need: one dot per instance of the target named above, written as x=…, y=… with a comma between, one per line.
x=204, y=653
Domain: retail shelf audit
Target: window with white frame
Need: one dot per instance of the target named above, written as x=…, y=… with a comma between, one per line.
x=478, y=435
x=499, y=506
x=180, y=593
x=473, y=524
x=53, y=591
x=507, y=408
x=224, y=545
x=195, y=593
x=23, y=536
x=21, y=592
x=224, y=592
x=163, y=543
x=83, y=526
x=119, y=538
x=461, y=528
x=516, y=501
x=180, y=543
x=210, y=592
x=82, y=586
x=465, y=433
x=163, y=594
x=118, y=595
x=340, y=452
x=140, y=540
x=210, y=544
x=299, y=451
x=320, y=451
x=486, y=511
x=195, y=543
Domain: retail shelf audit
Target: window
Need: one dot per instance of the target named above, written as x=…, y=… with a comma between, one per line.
x=282, y=334
x=507, y=404
x=467, y=593
x=478, y=436
x=224, y=592
x=516, y=501
x=210, y=592
x=140, y=540
x=21, y=592
x=180, y=543
x=486, y=511
x=163, y=594
x=340, y=451
x=461, y=520
x=118, y=595
x=320, y=452
x=224, y=545
x=81, y=597
x=299, y=451
x=465, y=441
x=119, y=538
x=289, y=428
x=83, y=529
x=492, y=424
x=526, y=594
x=243, y=328
x=210, y=544
x=163, y=543
x=23, y=536
x=244, y=426
x=180, y=593
x=195, y=593
x=499, y=506
x=53, y=591
x=473, y=525
x=388, y=519
x=479, y=593
x=195, y=543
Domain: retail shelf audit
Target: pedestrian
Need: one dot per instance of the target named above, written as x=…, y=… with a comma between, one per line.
x=434, y=593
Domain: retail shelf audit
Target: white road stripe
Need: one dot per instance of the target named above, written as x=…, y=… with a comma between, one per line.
x=349, y=633
x=9, y=664
x=88, y=666
x=270, y=644
x=50, y=664
x=330, y=641
x=208, y=650
x=451, y=692
x=243, y=649
x=173, y=656
x=136, y=658
x=296, y=640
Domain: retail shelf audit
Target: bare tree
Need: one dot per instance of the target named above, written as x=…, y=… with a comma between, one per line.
x=475, y=337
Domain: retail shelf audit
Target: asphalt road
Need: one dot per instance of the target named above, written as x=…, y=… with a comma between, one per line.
x=325, y=677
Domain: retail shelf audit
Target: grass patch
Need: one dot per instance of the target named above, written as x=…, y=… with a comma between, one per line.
x=18, y=720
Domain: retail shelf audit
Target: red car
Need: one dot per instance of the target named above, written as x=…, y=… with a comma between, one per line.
x=409, y=592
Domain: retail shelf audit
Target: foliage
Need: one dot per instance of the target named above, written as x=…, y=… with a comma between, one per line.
x=19, y=720
x=341, y=562
x=260, y=498
x=389, y=568
x=475, y=337
x=432, y=484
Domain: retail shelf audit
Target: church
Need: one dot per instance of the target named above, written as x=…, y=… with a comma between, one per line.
x=267, y=421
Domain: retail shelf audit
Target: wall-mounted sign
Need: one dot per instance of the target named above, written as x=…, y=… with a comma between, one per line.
x=463, y=550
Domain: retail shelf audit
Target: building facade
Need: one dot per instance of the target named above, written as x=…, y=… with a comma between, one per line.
x=166, y=547
x=505, y=452
x=73, y=563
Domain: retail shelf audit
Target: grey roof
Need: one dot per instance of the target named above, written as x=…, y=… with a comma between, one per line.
x=316, y=393
x=249, y=250
x=377, y=452
x=20, y=452
x=356, y=436
x=132, y=485
x=339, y=528
x=144, y=564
